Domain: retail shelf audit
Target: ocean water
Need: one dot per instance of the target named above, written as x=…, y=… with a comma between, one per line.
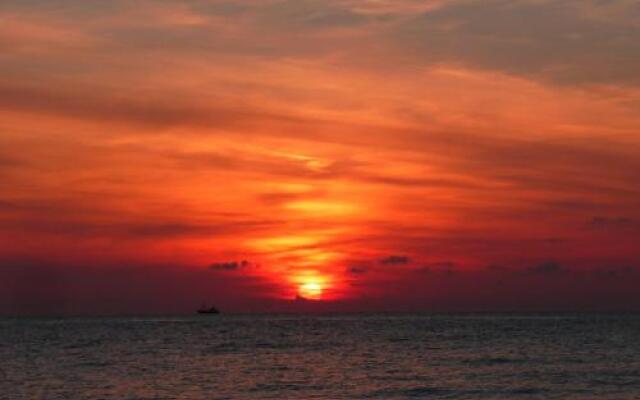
x=361, y=356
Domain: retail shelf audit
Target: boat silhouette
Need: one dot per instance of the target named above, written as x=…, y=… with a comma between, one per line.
x=207, y=310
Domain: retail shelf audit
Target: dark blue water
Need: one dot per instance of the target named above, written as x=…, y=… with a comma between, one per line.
x=322, y=357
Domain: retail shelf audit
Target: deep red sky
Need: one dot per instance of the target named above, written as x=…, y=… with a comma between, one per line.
x=372, y=155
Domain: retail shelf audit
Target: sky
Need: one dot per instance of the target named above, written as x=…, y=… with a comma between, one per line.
x=319, y=155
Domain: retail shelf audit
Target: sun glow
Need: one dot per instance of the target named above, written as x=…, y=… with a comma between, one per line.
x=311, y=290
x=311, y=285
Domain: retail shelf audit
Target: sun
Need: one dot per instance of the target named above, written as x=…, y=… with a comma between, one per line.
x=310, y=290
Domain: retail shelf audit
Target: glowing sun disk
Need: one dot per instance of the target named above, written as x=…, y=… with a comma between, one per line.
x=310, y=290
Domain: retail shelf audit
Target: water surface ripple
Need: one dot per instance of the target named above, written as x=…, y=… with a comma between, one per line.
x=363, y=356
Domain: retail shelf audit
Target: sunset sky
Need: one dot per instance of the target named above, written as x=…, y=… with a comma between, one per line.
x=332, y=155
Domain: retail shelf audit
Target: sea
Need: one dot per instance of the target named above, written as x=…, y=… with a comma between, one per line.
x=349, y=356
